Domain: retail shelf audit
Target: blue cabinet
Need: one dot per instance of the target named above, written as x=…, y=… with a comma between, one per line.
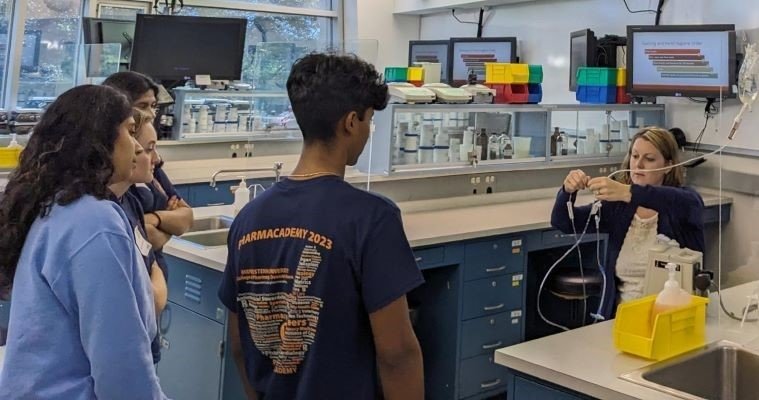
x=522, y=387
x=480, y=374
x=192, y=348
x=482, y=336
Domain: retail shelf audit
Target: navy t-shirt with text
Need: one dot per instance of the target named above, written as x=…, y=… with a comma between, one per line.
x=308, y=262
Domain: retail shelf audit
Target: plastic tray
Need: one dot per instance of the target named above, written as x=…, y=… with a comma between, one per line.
x=596, y=76
x=596, y=94
x=510, y=94
x=534, y=93
x=396, y=74
x=506, y=73
x=674, y=332
x=621, y=76
x=536, y=74
x=9, y=157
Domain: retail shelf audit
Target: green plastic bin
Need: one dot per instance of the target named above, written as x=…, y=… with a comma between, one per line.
x=594, y=76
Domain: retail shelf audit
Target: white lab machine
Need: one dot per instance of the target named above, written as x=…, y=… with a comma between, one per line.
x=481, y=94
x=668, y=251
x=447, y=94
x=403, y=92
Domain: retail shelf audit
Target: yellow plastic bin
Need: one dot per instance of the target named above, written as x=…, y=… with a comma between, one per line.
x=674, y=332
x=415, y=74
x=9, y=157
x=621, y=77
x=506, y=73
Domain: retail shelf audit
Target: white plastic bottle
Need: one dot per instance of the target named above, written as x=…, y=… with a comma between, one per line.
x=671, y=297
x=242, y=195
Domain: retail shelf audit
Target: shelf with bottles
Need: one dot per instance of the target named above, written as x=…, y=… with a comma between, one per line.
x=227, y=114
x=433, y=136
x=605, y=130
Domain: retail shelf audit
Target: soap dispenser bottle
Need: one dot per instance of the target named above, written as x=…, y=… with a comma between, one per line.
x=242, y=195
x=671, y=297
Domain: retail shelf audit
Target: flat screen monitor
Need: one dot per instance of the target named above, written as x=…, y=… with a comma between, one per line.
x=471, y=54
x=177, y=47
x=582, y=53
x=681, y=60
x=431, y=51
x=100, y=30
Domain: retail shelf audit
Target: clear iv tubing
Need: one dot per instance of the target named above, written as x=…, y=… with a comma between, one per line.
x=555, y=264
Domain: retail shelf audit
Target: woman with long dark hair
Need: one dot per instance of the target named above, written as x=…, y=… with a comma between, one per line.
x=82, y=314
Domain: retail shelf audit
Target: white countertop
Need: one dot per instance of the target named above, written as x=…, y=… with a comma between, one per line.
x=430, y=222
x=585, y=359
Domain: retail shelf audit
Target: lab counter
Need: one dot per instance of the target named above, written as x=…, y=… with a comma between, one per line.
x=585, y=360
x=430, y=222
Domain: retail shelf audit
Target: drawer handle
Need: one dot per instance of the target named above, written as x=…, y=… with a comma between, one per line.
x=486, y=385
x=418, y=259
x=491, y=308
x=499, y=269
x=492, y=346
x=214, y=204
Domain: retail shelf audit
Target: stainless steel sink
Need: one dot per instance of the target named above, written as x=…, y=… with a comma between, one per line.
x=211, y=223
x=722, y=370
x=211, y=238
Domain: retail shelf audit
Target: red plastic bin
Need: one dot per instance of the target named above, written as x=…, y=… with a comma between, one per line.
x=622, y=96
x=510, y=94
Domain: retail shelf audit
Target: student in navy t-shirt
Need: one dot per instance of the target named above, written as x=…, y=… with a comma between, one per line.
x=318, y=271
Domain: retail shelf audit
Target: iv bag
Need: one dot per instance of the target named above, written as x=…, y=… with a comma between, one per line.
x=748, y=78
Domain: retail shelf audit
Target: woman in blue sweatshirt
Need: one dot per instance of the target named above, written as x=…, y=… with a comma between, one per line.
x=82, y=314
x=635, y=208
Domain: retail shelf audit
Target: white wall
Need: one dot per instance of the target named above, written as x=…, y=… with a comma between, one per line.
x=374, y=20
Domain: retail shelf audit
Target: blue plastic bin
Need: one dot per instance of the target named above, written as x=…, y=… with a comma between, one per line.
x=535, y=93
x=596, y=94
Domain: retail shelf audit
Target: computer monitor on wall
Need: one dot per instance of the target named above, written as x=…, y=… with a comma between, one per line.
x=582, y=53
x=471, y=54
x=681, y=60
x=431, y=51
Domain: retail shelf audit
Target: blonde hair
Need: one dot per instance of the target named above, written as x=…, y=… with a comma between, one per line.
x=665, y=143
x=140, y=119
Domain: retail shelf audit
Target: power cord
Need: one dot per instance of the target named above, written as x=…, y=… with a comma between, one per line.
x=453, y=12
x=638, y=11
x=570, y=209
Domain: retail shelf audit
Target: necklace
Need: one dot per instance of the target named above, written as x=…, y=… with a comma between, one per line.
x=312, y=174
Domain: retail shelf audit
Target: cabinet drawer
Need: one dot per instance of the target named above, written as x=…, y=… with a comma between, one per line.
x=493, y=258
x=486, y=334
x=195, y=287
x=527, y=389
x=429, y=257
x=492, y=296
x=479, y=374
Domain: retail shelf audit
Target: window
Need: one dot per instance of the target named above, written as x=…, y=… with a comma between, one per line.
x=48, y=60
x=318, y=4
x=278, y=34
x=6, y=8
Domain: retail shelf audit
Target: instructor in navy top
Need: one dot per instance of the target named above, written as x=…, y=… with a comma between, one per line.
x=318, y=271
x=634, y=210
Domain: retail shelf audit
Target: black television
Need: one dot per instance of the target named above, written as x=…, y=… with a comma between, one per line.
x=431, y=51
x=170, y=47
x=582, y=53
x=472, y=53
x=681, y=60
x=101, y=30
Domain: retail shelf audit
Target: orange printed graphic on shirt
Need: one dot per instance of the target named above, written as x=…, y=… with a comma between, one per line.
x=283, y=325
x=283, y=233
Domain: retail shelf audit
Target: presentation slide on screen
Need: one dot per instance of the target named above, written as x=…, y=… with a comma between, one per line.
x=473, y=56
x=432, y=53
x=681, y=60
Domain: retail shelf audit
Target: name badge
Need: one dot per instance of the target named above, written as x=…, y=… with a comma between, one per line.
x=142, y=244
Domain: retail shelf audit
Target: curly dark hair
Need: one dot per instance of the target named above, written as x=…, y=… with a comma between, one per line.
x=133, y=84
x=323, y=88
x=69, y=155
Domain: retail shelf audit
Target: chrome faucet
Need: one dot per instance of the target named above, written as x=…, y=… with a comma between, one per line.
x=277, y=169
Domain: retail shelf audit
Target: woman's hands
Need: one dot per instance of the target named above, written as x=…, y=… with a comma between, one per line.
x=602, y=187
x=610, y=190
x=576, y=180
